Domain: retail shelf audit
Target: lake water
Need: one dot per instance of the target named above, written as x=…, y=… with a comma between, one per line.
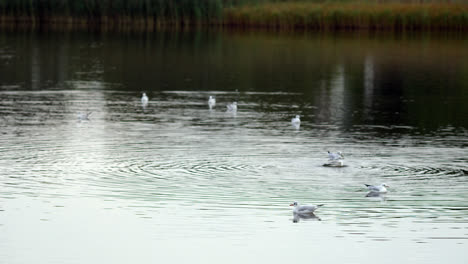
x=175, y=182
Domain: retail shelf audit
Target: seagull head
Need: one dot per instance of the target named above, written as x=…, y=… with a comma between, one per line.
x=298, y=116
x=294, y=204
x=385, y=185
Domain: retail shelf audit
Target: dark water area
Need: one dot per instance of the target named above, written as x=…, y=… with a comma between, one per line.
x=386, y=80
x=136, y=182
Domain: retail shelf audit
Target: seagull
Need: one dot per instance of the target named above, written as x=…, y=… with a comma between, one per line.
x=304, y=209
x=232, y=107
x=144, y=99
x=335, y=160
x=296, y=120
x=378, y=188
x=335, y=156
x=84, y=116
x=211, y=102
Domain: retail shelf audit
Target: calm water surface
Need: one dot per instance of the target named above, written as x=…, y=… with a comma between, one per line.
x=174, y=182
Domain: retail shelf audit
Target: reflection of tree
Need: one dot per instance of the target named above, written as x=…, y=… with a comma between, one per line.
x=39, y=62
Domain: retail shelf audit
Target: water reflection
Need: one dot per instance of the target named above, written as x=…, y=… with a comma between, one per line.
x=377, y=195
x=296, y=126
x=144, y=100
x=338, y=80
x=180, y=172
x=305, y=217
x=211, y=102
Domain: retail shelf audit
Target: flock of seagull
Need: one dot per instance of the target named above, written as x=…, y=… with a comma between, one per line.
x=334, y=160
x=307, y=211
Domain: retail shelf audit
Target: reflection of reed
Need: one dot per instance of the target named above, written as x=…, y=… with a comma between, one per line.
x=109, y=14
x=368, y=84
x=339, y=81
x=331, y=101
x=296, y=126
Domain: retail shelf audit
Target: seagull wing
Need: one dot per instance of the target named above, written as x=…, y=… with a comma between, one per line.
x=333, y=156
x=307, y=208
x=372, y=188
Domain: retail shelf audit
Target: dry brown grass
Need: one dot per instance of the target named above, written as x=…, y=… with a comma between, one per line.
x=357, y=15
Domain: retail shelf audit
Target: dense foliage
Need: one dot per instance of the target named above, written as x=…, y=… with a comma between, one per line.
x=97, y=9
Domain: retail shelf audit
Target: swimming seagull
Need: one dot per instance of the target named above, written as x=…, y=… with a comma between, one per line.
x=335, y=159
x=144, y=99
x=304, y=209
x=84, y=116
x=296, y=120
x=211, y=102
x=232, y=107
x=335, y=156
x=378, y=188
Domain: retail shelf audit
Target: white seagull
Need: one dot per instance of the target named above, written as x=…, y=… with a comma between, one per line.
x=382, y=188
x=144, y=99
x=84, y=116
x=211, y=102
x=304, y=209
x=335, y=159
x=232, y=107
x=296, y=120
x=335, y=156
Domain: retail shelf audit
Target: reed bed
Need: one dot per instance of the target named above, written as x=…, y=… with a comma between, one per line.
x=349, y=15
x=271, y=14
x=118, y=13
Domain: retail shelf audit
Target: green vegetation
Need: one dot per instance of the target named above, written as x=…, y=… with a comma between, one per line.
x=272, y=14
x=136, y=13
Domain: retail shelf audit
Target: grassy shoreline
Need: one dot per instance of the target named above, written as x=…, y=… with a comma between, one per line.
x=327, y=16
x=351, y=16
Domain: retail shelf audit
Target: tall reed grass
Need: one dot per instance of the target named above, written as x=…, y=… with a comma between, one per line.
x=138, y=13
x=351, y=15
x=273, y=14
